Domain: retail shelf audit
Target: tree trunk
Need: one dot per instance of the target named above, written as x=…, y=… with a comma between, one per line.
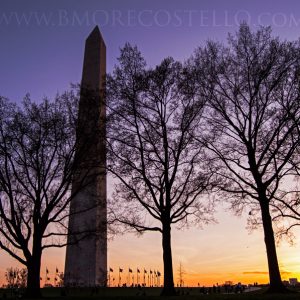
x=168, y=289
x=276, y=285
x=33, y=276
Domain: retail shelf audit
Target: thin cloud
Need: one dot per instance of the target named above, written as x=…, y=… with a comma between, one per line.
x=265, y=273
x=256, y=272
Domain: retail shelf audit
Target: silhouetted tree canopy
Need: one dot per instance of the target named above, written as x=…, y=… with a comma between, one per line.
x=251, y=87
x=37, y=164
x=152, y=151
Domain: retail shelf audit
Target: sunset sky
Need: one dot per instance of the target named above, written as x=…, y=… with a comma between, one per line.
x=41, y=52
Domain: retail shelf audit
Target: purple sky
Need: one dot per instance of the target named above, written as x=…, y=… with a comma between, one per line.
x=42, y=42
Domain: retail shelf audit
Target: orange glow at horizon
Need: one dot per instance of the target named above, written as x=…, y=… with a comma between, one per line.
x=214, y=254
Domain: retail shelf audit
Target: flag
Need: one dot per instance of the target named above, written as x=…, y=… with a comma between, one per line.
x=56, y=270
x=130, y=271
x=111, y=270
x=47, y=271
x=138, y=271
x=120, y=270
x=145, y=271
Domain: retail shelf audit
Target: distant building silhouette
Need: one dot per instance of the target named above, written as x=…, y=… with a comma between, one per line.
x=293, y=281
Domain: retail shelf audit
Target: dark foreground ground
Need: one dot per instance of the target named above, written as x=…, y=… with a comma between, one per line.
x=147, y=294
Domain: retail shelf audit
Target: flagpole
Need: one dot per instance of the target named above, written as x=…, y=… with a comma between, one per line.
x=132, y=278
x=45, y=277
x=109, y=278
x=128, y=277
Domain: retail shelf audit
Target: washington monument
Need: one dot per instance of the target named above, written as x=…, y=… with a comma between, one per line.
x=86, y=256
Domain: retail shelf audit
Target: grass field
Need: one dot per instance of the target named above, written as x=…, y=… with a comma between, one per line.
x=148, y=294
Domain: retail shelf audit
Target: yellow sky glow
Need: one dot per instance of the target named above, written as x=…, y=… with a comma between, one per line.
x=215, y=254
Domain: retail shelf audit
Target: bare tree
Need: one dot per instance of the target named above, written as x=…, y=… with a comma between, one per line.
x=287, y=206
x=16, y=278
x=252, y=88
x=181, y=274
x=37, y=165
x=152, y=151
x=286, y=214
x=11, y=276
